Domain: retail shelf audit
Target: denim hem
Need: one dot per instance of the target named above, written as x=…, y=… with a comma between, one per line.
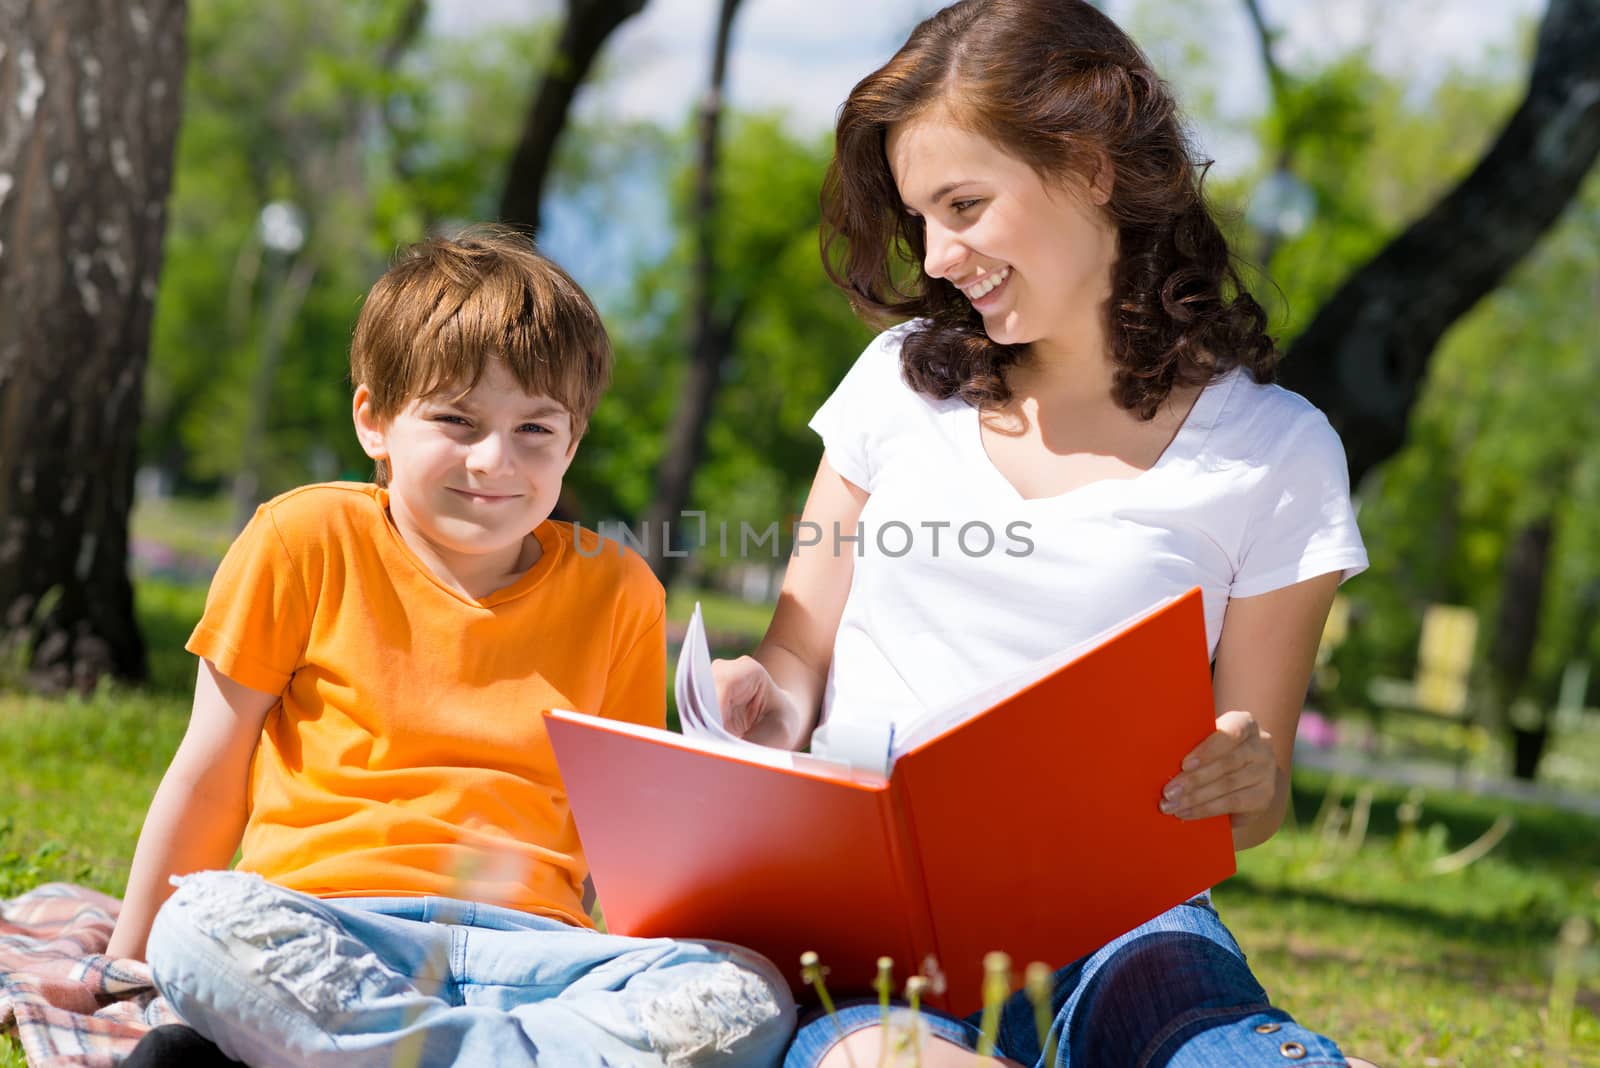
x=1181, y=1031
x=1178, y=1027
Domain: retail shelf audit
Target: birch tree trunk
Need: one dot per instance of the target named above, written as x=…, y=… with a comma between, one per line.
x=90, y=95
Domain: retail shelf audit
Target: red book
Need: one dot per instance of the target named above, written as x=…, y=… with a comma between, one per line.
x=1030, y=827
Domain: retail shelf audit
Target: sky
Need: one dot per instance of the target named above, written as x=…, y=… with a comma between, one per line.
x=803, y=56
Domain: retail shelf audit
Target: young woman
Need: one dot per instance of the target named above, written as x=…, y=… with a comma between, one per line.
x=1080, y=371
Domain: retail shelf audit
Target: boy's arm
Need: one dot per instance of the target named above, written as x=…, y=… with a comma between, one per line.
x=198, y=814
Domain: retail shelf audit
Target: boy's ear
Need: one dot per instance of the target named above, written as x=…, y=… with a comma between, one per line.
x=369, y=431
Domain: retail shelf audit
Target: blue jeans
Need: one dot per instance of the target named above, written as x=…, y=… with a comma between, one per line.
x=1172, y=993
x=276, y=977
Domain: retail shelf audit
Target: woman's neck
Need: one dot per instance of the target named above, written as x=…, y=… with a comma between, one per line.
x=1072, y=369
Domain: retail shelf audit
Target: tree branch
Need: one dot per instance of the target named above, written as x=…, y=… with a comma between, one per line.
x=588, y=24
x=1266, y=37
x=1363, y=358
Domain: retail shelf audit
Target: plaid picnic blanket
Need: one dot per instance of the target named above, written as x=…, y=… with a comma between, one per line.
x=62, y=997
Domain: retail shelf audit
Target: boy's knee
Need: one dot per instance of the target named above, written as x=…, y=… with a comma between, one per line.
x=262, y=936
x=187, y=916
x=210, y=905
x=736, y=1011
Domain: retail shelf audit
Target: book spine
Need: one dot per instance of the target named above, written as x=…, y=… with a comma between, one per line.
x=912, y=891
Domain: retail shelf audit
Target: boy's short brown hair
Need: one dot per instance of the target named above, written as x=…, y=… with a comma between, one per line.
x=446, y=307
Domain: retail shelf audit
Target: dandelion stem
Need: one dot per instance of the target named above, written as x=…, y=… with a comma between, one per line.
x=812, y=971
x=1040, y=984
x=884, y=985
x=1574, y=937
x=996, y=985
x=915, y=987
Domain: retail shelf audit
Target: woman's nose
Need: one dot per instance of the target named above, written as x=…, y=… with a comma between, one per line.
x=944, y=251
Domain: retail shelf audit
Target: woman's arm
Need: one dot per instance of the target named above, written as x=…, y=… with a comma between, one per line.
x=198, y=814
x=773, y=697
x=1264, y=661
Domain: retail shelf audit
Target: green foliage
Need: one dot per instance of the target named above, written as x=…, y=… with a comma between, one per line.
x=295, y=102
x=794, y=338
x=1501, y=433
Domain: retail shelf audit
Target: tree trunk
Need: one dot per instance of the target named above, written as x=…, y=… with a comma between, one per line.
x=1527, y=750
x=588, y=24
x=90, y=94
x=1515, y=636
x=713, y=333
x=1363, y=358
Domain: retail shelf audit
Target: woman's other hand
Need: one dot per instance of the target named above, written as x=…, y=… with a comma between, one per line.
x=753, y=706
x=1232, y=772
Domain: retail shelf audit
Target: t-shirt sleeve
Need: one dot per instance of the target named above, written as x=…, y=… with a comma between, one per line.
x=635, y=688
x=256, y=623
x=1301, y=522
x=848, y=421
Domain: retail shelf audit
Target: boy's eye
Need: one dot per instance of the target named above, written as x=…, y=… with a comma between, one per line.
x=535, y=428
x=446, y=417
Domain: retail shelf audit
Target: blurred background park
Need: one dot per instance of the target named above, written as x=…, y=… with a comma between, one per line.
x=194, y=197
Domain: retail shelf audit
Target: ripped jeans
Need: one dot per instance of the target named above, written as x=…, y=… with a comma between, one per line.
x=276, y=977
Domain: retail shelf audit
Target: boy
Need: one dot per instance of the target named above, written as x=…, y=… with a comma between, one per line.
x=367, y=727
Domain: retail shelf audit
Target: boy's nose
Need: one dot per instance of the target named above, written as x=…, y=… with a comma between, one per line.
x=489, y=453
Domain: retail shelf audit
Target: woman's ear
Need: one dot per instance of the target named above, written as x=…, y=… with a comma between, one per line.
x=1103, y=181
x=370, y=430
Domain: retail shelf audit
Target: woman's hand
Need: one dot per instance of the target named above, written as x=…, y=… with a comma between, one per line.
x=1233, y=771
x=753, y=706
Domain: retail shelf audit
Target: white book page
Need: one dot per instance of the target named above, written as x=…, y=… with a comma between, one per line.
x=698, y=713
x=701, y=718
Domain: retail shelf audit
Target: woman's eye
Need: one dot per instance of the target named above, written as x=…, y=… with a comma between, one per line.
x=962, y=205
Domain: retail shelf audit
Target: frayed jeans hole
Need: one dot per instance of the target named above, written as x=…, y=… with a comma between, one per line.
x=296, y=950
x=709, y=1013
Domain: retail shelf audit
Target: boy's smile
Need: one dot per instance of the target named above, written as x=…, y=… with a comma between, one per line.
x=471, y=474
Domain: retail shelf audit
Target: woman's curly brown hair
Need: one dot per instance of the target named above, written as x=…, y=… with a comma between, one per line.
x=1056, y=84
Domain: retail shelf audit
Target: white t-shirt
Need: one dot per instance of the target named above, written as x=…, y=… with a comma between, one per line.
x=960, y=582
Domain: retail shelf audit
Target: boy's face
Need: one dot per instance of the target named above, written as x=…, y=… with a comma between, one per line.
x=472, y=475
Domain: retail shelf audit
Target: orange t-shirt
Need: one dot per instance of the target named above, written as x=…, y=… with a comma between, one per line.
x=407, y=755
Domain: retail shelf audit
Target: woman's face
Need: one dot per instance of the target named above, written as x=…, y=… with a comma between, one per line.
x=1033, y=257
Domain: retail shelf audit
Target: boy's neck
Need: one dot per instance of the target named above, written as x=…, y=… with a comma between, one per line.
x=474, y=577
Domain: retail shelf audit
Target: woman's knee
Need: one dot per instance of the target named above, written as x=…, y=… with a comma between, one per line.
x=1151, y=985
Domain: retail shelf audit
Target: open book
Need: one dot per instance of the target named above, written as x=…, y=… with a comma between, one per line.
x=1024, y=820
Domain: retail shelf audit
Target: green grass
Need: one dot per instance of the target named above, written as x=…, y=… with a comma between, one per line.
x=1359, y=936
x=1363, y=939
x=725, y=615
x=197, y=527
